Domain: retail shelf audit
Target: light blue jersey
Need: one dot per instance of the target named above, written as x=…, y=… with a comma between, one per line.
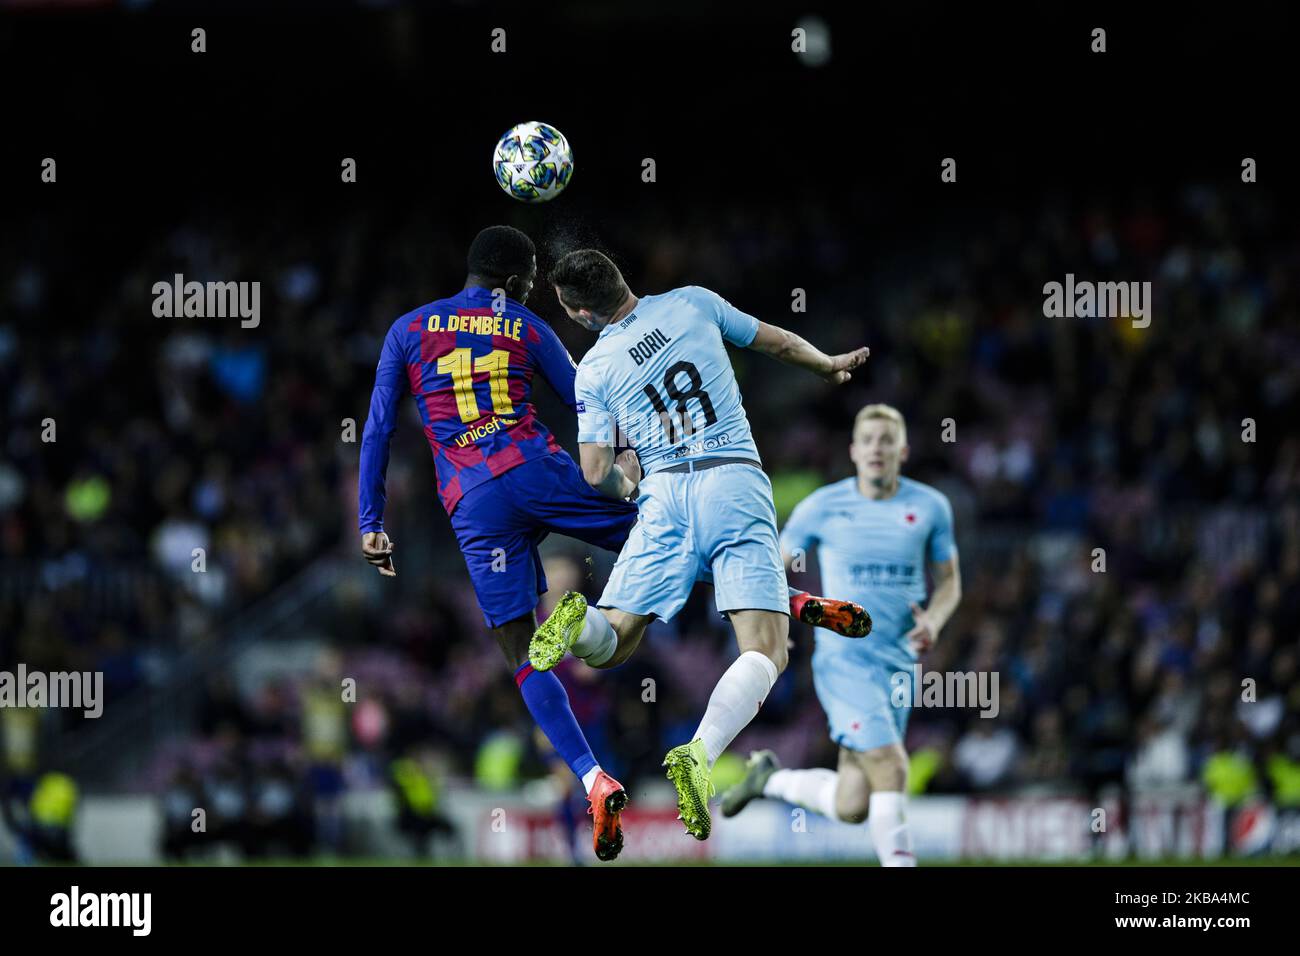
x=660, y=381
x=874, y=553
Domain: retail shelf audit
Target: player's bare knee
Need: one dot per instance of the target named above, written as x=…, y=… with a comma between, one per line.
x=851, y=804
x=629, y=628
x=886, y=767
x=621, y=653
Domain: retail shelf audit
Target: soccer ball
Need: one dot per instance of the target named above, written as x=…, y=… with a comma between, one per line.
x=533, y=162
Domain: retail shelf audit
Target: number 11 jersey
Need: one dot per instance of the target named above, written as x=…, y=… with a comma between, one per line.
x=470, y=368
x=660, y=381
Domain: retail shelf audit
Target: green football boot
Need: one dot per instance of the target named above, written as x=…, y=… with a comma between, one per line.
x=553, y=639
x=688, y=769
x=762, y=764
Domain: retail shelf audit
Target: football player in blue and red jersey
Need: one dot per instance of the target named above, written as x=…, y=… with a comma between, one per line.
x=469, y=361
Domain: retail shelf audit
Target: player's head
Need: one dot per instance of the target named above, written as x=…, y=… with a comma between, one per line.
x=589, y=287
x=879, y=445
x=502, y=257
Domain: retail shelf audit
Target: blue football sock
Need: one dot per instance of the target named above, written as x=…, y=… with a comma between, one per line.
x=548, y=702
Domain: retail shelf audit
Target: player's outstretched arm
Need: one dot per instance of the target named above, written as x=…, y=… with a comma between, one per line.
x=784, y=345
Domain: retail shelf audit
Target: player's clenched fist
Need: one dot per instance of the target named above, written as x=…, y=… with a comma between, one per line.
x=922, y=635
x=631, y=465
x=377, y=548
x=843, y=365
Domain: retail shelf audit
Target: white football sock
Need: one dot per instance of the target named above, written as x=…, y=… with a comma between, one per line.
x=735, y=700
x=589, y=778
x=597, y=642
x=811, y=789
x=887, y=822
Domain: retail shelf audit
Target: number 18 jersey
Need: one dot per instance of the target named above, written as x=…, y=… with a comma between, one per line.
x=660, y=381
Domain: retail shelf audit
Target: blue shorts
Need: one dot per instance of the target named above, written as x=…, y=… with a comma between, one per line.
x=500, y=523
x=719, y=522
x=858, y=694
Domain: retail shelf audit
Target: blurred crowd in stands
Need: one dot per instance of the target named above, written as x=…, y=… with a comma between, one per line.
x=1127, y=499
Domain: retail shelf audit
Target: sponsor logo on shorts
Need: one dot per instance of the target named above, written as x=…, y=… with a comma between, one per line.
x=696, y=448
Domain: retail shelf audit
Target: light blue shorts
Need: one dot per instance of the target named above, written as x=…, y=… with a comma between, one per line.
x=719, y=522
x=857, y=693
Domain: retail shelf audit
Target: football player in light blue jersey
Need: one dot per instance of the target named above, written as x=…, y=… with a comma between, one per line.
x=875, y=534
x=658, y=379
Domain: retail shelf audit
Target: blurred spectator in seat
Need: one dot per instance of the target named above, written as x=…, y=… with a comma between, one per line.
x=1161, y=758
x=52, y=813
x=221, y=708
x=325, y=741
x=183, y=831
x=1048, y=757
x=417, y=788
x=1228, y=773
x=280, y=815
x=225, y=800
x=986, y=754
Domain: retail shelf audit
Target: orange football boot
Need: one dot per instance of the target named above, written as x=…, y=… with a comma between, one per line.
x=607, y=800
x=842, y=617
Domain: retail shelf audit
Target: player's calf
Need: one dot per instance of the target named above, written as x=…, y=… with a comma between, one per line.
x=513, y=637
x=885, y=769
x=766, y=632
x=852, y=798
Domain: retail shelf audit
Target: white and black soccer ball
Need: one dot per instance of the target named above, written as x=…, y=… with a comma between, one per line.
x=533, y=162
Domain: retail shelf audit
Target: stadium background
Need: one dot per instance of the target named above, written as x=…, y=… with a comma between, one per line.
x=1120, y=690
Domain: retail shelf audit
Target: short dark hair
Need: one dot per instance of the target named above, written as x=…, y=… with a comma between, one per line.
x=589, y=280
x=499, y=252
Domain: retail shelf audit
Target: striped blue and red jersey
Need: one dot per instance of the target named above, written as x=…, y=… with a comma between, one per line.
x=470, y=369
